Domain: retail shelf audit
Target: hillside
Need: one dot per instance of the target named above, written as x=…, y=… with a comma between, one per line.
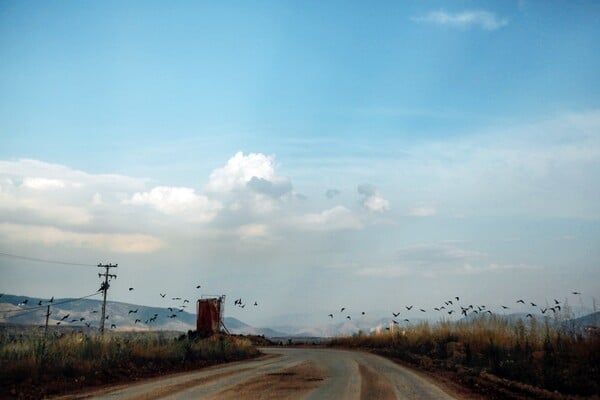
x=85, y=313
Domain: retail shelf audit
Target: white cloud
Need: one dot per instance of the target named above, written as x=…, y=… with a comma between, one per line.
x=27, y=169
x=336, y=218
x=50, y=236
x=389, y=271
x=372, y=199
x=43, y=183
x=178, y=200
x=252, y=231
x=483, y=19
x=471, y=269
x=422, y=212
x=18, y=204
x=239, y=170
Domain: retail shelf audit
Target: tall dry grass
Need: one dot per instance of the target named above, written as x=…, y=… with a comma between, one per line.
x=543, y=354
x=81, y=357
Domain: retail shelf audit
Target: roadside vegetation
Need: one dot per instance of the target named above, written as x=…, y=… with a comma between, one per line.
x=33, y=367
x=512, y=356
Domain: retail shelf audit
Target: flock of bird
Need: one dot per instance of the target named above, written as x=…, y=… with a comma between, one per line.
x=173, y=311
x=452, y=306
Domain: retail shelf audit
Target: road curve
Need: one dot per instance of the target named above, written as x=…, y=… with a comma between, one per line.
x=286, y=373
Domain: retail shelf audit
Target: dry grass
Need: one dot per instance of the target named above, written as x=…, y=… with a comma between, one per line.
x=58, y=362
x=544, y=355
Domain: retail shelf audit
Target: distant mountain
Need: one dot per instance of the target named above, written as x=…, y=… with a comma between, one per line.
x=24, y=310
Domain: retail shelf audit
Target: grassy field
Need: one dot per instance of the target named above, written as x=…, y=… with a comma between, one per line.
x=544, y=355
x=76, y=360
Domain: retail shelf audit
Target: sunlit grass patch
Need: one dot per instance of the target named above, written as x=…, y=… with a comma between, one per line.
x=544, y=354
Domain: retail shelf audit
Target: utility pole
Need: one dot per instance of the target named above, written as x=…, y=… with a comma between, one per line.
x=47, y=316
x=104, y=288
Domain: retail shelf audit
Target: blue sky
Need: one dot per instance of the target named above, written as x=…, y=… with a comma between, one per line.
x=458, y=140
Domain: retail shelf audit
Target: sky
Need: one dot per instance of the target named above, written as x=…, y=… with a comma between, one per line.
x=304, y=155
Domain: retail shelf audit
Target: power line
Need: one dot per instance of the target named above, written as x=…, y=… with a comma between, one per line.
x=25, y=311
x=45, y=260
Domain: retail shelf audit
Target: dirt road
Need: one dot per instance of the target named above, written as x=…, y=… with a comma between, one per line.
x=287, y=373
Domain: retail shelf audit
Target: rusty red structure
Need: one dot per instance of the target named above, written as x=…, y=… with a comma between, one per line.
x=209, y=313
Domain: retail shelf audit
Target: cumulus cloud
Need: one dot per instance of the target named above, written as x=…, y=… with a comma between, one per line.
x=372, y=199
x=239, y=170
x=178, y=200
x=465, y=19
x=269, y=188
x=336, y=218
x=51, y=236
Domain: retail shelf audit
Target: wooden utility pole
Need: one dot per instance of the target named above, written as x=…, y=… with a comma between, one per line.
x=47, y=316
x=104, y=288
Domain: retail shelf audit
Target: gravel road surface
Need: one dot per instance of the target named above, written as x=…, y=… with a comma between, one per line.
x=286, y=373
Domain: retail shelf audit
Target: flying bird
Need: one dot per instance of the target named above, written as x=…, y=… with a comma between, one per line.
x=408, y=307
x=362, y=313
x=457, y=298
x=348, y=317
x=176, y=298
x=331, y=315
x=422, y=310
x=130, y=289
x=39, y=303
x=396, y=314
x=576, y=292
x=255, y=303
x=529, y=316
x=162, y=295
x=65, y=317
x=343, y=308
x=198, y=286
x=137, y=320
x=520, y=301
x=112, y=326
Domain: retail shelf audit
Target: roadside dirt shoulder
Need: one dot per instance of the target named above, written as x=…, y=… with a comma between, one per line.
x=471, y=385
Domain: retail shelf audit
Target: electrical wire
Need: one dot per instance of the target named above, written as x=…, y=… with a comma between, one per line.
x=25, y=311
x=45, y=260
